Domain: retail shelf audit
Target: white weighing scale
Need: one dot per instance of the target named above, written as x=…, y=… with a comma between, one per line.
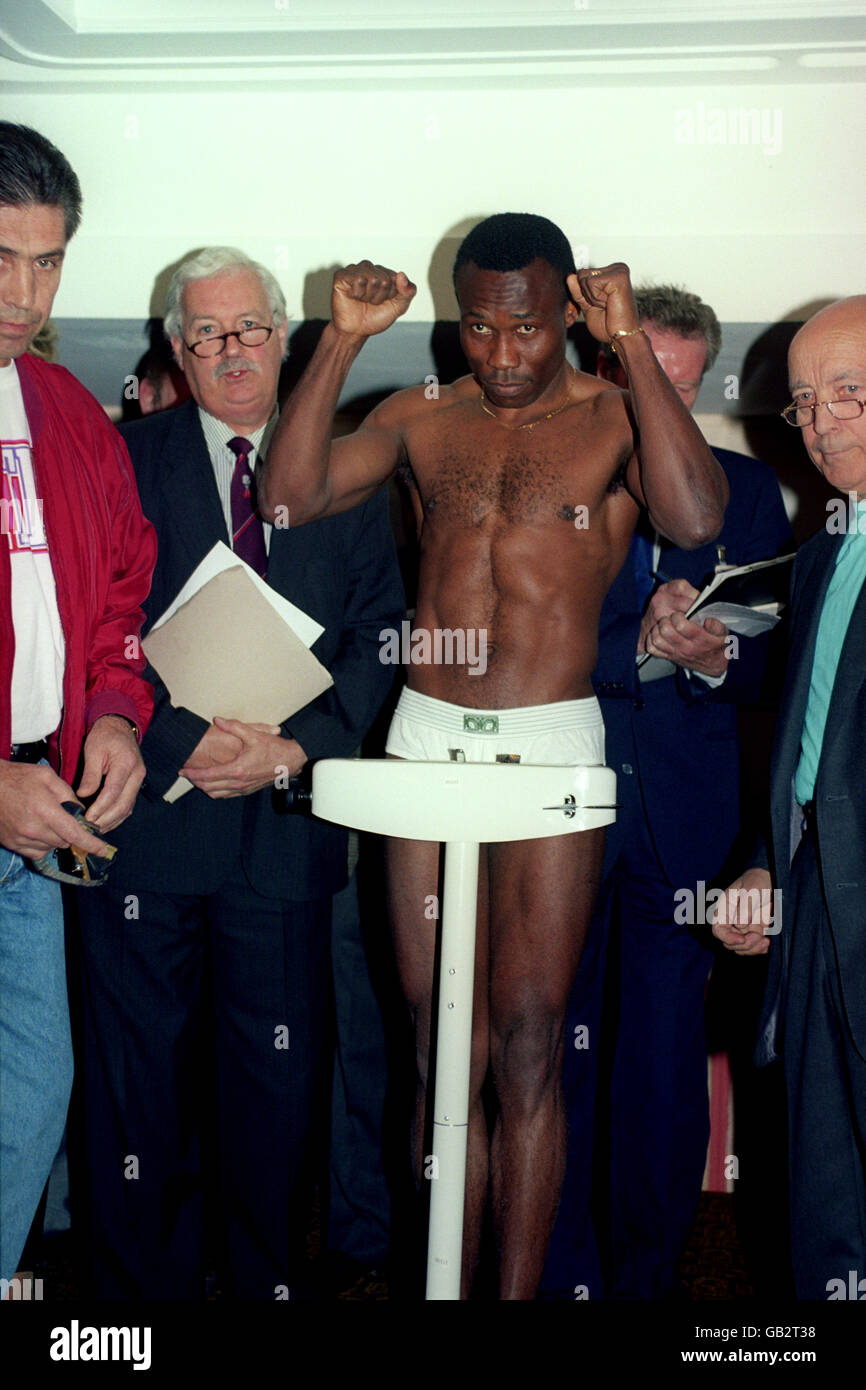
x=462, y=805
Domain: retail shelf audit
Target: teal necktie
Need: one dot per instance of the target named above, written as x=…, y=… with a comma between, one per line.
x=842, y=594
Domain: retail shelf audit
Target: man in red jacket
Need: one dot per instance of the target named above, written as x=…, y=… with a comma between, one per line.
x=76, y=556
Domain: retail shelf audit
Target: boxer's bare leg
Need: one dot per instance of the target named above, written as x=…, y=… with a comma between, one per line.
x=413, y=883
x=541, y=897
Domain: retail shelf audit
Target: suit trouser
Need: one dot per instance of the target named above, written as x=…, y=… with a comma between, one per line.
x=360, y=1206
x=825, y=1079
x=651, y=1104
x=187, y=996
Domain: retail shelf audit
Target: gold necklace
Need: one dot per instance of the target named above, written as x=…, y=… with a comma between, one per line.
x=529, y=424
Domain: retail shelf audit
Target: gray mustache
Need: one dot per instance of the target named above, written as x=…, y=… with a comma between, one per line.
x=234, y=364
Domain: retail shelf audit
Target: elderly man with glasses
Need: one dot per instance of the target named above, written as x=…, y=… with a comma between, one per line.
x=815, y=1008
x=206, y=957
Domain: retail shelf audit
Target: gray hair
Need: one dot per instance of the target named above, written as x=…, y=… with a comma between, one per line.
x=213, y=260
x=677, y=310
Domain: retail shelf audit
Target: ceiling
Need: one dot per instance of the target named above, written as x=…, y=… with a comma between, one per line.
x=375, y=43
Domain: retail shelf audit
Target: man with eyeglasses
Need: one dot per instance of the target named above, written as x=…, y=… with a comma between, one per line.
x=815, y=1007
x=206, y=958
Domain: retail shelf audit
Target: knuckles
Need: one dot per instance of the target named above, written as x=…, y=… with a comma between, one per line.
x=364, y=276
x=615, y=271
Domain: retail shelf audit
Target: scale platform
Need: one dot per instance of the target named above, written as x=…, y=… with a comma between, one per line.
x=462, y=805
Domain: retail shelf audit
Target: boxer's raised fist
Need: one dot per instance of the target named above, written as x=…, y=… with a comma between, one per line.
x=367, y=298
x=605, y=298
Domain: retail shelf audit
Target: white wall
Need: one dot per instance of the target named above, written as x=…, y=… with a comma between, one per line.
x=300, y=179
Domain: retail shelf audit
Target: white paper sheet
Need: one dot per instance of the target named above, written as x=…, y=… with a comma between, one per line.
x=220, y=558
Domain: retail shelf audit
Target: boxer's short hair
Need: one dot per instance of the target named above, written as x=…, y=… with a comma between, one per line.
x=512, y=240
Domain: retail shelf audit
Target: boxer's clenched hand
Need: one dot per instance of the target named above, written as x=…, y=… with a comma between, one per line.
x=367, y=298
x=605, y=298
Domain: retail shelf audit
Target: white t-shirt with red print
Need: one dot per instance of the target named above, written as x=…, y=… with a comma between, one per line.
x=37, y=674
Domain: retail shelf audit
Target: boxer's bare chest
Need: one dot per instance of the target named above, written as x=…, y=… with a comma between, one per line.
x=471, y=472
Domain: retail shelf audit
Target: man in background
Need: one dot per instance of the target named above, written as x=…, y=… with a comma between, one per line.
x=157, y=382
x=815, y=1006
x=206, y=959
x=76, y=557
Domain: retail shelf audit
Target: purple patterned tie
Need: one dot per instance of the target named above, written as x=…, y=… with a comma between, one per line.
x=248, y=537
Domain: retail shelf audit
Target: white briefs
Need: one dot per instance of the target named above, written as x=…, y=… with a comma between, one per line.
x=567, y=734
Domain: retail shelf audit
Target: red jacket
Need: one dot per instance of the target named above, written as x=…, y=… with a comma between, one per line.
x=102, y=555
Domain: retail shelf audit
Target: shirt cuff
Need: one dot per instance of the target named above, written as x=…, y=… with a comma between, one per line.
x=112, y=702
x=712, y=681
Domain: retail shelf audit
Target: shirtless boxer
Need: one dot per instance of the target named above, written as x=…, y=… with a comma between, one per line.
x=527, y=481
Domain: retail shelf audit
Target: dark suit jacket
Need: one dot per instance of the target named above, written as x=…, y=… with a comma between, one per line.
x=840, y=788
x=678, y=736
x=343, y=572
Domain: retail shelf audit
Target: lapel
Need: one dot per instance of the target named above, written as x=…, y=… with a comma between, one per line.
x=305, y=565
x=299, y=563
x=193, y=506
x=807, y=600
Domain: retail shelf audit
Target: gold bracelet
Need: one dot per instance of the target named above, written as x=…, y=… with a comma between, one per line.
x=623, y=333
x=126, y=719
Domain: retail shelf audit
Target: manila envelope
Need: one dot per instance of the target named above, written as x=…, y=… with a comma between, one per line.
x=227, y=652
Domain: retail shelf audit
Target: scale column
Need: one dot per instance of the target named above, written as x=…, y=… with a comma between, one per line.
x=453, y=1055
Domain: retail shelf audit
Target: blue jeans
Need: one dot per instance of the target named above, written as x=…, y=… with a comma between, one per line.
x=35, y=1046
